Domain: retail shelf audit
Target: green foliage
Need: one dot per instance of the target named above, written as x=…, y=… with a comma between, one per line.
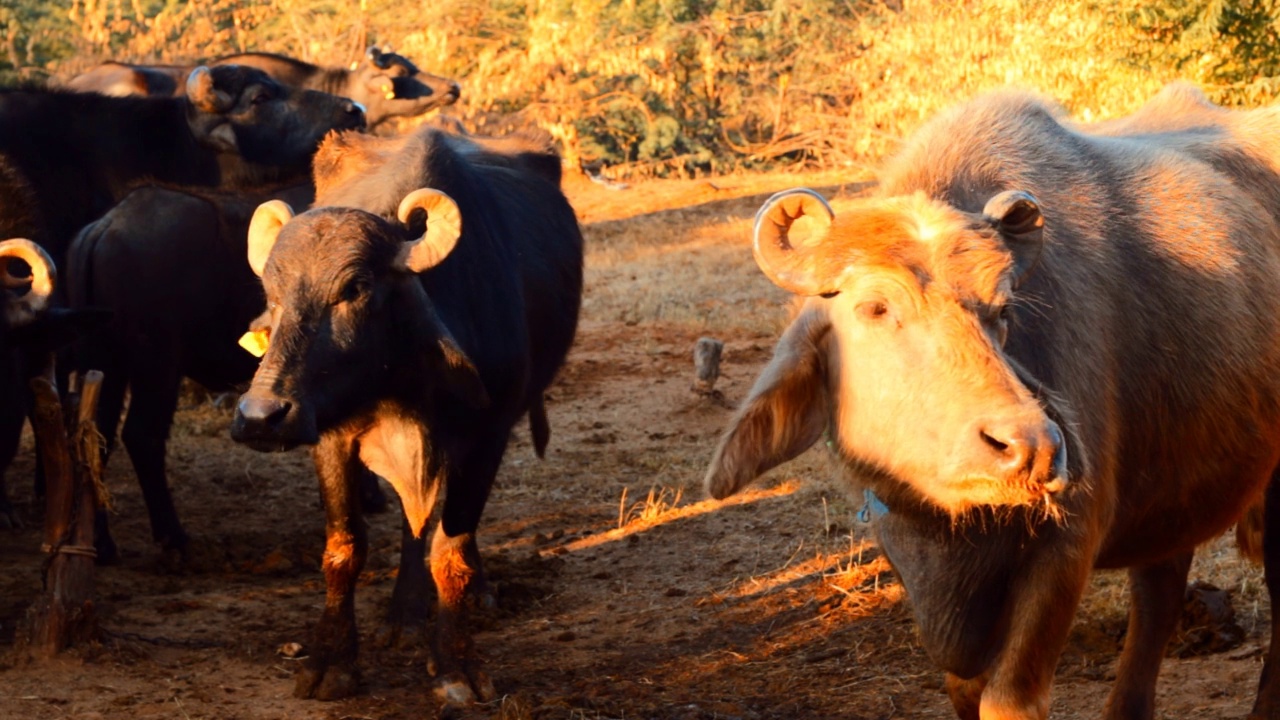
x=1232, y=47
x=687, y=86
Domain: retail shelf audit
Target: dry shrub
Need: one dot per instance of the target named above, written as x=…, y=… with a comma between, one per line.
x=661, y=87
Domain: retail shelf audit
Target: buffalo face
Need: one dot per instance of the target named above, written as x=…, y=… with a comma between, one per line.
x=900, y=350
x=350, y=324
x=390, y=85
x=242, y=111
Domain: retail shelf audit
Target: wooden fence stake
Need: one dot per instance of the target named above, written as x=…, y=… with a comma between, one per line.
x=64, y=615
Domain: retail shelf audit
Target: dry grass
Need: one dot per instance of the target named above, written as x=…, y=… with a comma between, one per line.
x=650, y=88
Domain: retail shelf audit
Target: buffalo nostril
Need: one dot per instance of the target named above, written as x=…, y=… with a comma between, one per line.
x=268, y=411
x=1012, y=446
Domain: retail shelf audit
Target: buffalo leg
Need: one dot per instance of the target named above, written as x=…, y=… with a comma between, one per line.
x=966, y=695
x=408, y=607
x=1154, y=610
x=1267, y=704
x=456, y=570
x=110, y=403
x=12, y=417
x=329, y=672
x=1046, y=594
x=154, y=400
x=372, y=500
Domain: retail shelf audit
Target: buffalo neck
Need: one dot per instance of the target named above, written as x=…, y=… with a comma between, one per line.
x=330, y=80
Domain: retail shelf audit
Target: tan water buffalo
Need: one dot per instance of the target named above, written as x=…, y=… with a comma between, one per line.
x=1043, y=348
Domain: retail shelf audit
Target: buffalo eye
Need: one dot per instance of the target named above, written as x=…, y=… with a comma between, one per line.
x=353, y=290
x=872, y=310
x=1002, y=324
x=260, y=97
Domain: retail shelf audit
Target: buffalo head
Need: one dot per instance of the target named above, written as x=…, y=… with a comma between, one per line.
x=900, y=351
x=390, y=85
x=242, y=112
x=344, y=300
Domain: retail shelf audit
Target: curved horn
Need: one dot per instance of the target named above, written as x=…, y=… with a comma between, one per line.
x=1016, y=214
x=444, y=227
x=204, y=96
x=264, y=228
x=22, y=310
x=375, y=57
x=787, y=266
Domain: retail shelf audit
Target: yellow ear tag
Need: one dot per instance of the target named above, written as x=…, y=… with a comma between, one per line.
x=255, y=342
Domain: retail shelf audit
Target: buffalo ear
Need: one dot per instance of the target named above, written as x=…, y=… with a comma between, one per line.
x=380, y=85
x=1016, y=215
x=785, y=412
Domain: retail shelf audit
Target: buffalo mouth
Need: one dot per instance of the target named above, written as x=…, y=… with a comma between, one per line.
x=270, y=424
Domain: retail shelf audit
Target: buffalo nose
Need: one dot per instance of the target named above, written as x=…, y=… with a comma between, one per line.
x=354, y=109
x=263, y=411
x=1013, y=443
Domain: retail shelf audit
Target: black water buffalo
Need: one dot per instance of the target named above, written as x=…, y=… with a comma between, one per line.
x=66, y=158
x=387, y=84
x=1042, y=348
x=71, y=156
x=25, y=303
x=412, y=349
x=169, y=263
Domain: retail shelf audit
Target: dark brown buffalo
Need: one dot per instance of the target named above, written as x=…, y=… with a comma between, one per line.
x=387, y=84
x=412, y=349
x=1042, y=348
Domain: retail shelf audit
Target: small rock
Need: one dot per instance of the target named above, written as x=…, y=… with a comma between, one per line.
x=291, y=651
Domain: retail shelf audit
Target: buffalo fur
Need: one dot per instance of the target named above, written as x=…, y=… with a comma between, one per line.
x=1149, y=329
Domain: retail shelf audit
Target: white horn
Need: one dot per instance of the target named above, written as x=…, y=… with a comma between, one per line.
x=264, y=228
x=444, y=227
x=22, y=310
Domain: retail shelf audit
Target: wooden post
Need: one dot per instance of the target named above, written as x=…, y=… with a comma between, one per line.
x=64, y=615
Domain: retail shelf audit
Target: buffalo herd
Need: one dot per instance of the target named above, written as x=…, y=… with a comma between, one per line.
x=1039, y=348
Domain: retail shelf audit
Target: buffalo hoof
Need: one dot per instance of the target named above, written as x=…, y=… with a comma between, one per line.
x=455, y=689
x=325, y=683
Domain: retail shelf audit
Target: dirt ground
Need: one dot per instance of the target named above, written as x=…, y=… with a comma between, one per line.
x=622, y=591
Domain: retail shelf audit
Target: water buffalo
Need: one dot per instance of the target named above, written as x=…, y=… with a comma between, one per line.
x=1041, y=348
x=387, y=84
x=412, y=349
x=25, y=302
x=66, y=158
x=169, y=263
x=71, y=156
